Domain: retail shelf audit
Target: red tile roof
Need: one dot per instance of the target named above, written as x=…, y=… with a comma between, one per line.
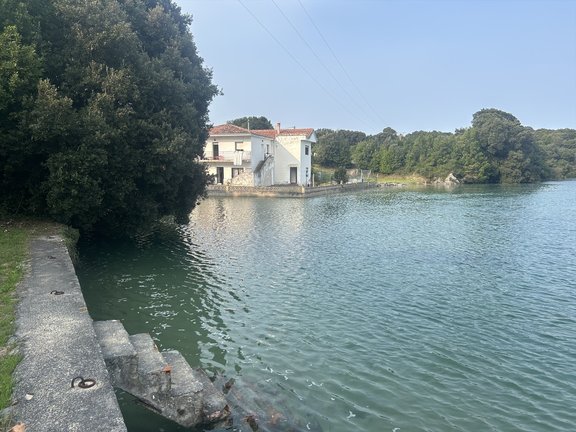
x=268, y=133
x=229, y=129
x=294, y=132
x=273, y=133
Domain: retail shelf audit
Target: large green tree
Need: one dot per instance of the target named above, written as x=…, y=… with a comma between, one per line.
x=104, y=109
x=510, y=146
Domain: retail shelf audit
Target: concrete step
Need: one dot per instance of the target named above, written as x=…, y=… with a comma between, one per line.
x=184, y=378
x=119, y=353
x=164, y=382
x=153, y=371
x=193, y=398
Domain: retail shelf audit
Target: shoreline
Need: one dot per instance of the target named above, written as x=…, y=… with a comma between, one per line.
x=286, y=191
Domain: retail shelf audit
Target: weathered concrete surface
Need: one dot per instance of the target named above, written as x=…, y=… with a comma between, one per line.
x=58, y=343
x=163, y=382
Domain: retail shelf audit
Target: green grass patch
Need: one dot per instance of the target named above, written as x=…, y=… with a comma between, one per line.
x=8, y=363
x=13, y=250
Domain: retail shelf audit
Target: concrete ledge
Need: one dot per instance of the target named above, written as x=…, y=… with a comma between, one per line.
x=285, y=191
x=58, y=343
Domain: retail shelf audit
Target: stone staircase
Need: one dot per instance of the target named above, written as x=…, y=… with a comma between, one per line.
x=163, y=381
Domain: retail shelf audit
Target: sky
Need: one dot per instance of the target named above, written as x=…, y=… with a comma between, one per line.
x=406, y=64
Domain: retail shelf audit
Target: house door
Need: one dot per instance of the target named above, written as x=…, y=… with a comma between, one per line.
x=293, y=175
x=220, y=175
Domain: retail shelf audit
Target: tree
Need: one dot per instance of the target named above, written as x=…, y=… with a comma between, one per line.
x=108, y=134
x=333, y=148
x=509, y=145
x=367, y=153
x=252, y=122
x=340, y=175
x=559, y=149
x=497, y=148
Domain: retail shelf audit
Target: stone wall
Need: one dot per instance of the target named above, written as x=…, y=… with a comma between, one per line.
x=286, y=191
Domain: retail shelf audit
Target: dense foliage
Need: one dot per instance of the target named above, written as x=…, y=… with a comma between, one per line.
x=252, y=122
x=495, y=149
x=103, y=111
x=334, y=147
x=559, y=147
x=340, y=175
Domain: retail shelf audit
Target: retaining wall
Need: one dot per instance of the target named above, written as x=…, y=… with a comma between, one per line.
x=288, y=191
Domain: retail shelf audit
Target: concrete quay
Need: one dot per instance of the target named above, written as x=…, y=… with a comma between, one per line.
x=57, y=340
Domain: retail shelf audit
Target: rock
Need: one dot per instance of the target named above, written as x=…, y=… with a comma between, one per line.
x=451, y=180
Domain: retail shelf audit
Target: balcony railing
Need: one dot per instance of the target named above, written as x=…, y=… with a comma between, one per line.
x=230, y=156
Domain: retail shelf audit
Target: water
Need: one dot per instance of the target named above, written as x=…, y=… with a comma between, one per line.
x=389, y=310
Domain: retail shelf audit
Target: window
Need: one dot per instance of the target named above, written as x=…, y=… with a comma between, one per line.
x=237, y=171
x=306, y=150
x=215, y=151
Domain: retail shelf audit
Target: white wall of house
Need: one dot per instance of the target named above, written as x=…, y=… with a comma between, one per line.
x=286, y=157
x=293, y=155
x=234, y=156
x=260, y=145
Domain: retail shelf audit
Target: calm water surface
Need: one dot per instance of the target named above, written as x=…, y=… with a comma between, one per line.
x=390, y=310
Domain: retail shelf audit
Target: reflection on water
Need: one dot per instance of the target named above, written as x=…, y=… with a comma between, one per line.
x=420, y=310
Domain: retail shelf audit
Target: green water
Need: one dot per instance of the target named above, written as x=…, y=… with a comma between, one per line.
x=389, y=310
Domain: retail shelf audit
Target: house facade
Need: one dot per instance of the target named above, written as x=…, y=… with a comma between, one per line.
x=264, y=157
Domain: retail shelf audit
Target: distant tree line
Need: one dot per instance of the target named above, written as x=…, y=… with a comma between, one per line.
x=103, y=112
x=497, y=148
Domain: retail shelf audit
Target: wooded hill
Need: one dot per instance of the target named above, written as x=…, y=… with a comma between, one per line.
x=497, y=148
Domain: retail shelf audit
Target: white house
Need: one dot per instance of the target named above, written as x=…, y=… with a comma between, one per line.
x=263, y=157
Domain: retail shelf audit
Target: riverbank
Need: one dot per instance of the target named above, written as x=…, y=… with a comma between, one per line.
x=58, y=345
x=43, y=335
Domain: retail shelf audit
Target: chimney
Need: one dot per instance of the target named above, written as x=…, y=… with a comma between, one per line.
x=278, y=127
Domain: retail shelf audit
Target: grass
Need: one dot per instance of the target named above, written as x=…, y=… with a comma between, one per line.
x=407, y=179
x=323, y=175
x=15, y=235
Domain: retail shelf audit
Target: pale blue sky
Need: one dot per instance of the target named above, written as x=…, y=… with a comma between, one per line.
x=411, y=65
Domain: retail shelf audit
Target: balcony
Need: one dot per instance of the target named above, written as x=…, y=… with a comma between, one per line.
x=230, y=156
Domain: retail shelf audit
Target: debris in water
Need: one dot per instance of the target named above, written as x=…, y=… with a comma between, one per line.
x=228, y=385
x=351, y=415
x=251, y=420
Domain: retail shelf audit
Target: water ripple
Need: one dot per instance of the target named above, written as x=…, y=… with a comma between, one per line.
x=408, y=311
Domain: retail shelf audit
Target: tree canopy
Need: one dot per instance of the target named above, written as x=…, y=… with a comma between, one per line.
x=497, y=148
x=103, y=112
x=252, y=122
x=334, y=147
